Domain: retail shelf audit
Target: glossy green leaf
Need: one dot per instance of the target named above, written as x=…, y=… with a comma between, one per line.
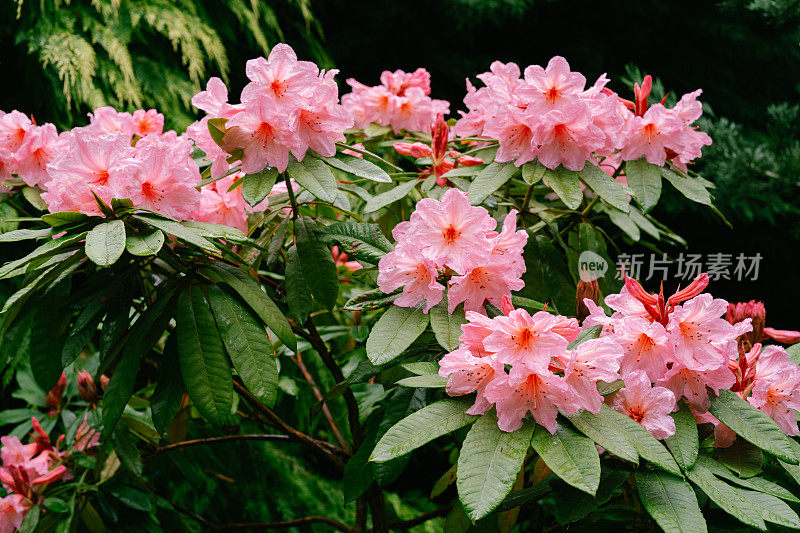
x=647, y=446
x=447, y=326
x=247, y=344
x=533, y=172
x=600, y=429
x=726, y=496
x=754, y=483
x=298, y=298
x=572, y=504
x=428, y=381
x=316, y=261
x=570, y=456
x=204, y=366
x=315, y=176
x=752, y=424
x=166, y=399
x=63, y=218
x=791, y=469
x=741, y=457
x=395, y=330
x=566, y=185
x=256, y=187
x=371, y=300
x=772, y=509
x=691, y=188
x=389, y=197
x=216, y=127
x=143, y=243
x=491, y=178
x=684, y=444
x=25, y=234
x=106, y=242
x=489, y=463
x=48, y=249
x=191, y=235
x=358, y=167
x=606, y=187
x=670, y=501
x=421, y=427
x=645, y=181
x=257, y=299
x=421, y=368
x=358, y=240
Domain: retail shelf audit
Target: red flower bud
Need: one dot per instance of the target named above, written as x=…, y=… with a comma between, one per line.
x=86, y=387
x=440, y=132
x=56, y=394
x=584, y=290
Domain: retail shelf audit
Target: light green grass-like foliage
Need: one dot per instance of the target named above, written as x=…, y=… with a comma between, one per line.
x=151, y=53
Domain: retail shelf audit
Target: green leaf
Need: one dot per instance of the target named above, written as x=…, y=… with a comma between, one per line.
x=256, y=187
x=358, y=167
x=257, y=299
x=186, y=233
x=147, y=330
x=216, y=127
x=48, y=249
x=489, y=463
x=247, y=345
x=446, y=326
x=15, y=416
x=166, y=399
x=645, y=181
x=316, y=261
x=670, y=501
x=754, y=483
x=389, y=197
x=360, y=241
x=57, y=505
x=752, y=424
x=30, y=521
x=566, y=185
x=421, y=368
x=521, y=497
x=34, y=198
x=63, y=218
x=741, y=457
x=647, y=446
x=600, y=429
x=421, y=427
x=106, y=242
x=585, y=334
x=684, y=444
x=298, y=298
x=772, y=509
x=572, y=504
x=315, y=177
x=624, y=222
x=46, y=340
x=396, y=329
x=204, y=367
x=428, y=381
x=357, y=473
x=126, y=450
x=491, y=178
x=25, y=234
x=533, y=172
x=143, y=243
x=792, y=470
x=606, y=187
x=371, y=300
x=727, y=497
x=570, y=456
x=691, y=188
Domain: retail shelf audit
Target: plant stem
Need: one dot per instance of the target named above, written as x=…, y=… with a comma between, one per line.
x=326, y=412
x=292, y=199
x=214, y=440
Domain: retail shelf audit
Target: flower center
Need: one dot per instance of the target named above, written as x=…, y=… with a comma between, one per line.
x=553, y=94
x=450, y=234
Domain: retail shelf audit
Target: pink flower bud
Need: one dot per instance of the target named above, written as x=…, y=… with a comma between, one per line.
x=585, y=290
x=439, y=133
x=56, y=394
x=781, y=335
x=414, y=150
x=86, y=387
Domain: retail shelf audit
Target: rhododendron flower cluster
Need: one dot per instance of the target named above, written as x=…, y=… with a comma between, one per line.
x=28, y=469
x=401, y=101
x=220, y=205
x=443, y=160
x=289, y=106
x=25, y=148
x=453, y=239
x=549, y=114
x=109, y=160
x=521, y=363
x=683, y=345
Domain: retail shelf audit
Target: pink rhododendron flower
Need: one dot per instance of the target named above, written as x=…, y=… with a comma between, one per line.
x=108, y=120
x=649, y=406
x=776, y=388
x=405, y=267
x=529, y=340
x=89, y=162
x=161, y=176
x=467, y=373
x=32, y=157
x=592, y=361
x=646, y=347
x=146, y=122
x=401, y=101
x=694, y=384
x=526, y=391
x=13, y=509
x=13, y=128
x=490, y=281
